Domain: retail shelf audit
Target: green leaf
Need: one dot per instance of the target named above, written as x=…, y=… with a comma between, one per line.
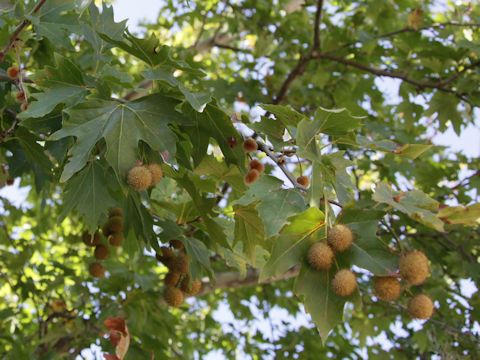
x=88, y=194
x=63, y=84
x=315, y=290
x=274, y=204
x=199, y=257
x=285, y=114
x=412, y=151
x=416, y=204
x=122, y=126
x=445, y=106
x=248, y=230
x=293, y=242
x=336, y=122
x=368, y=251
x=464, y=215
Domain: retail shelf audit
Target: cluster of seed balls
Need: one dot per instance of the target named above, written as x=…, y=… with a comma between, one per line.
x=413, y=269
x=113, y=232
x=142, y=177
x=256, y=168
x=178, y=283
x=13, y=72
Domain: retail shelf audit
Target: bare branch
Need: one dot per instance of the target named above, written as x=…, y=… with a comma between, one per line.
x=318, y=19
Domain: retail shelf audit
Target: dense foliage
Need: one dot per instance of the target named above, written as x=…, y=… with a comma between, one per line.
x=339, y=102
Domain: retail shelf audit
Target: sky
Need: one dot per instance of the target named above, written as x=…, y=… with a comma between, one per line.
x=146, y=11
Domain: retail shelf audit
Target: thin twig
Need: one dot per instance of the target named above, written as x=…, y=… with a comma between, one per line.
x=318, y=20
x=18, y=30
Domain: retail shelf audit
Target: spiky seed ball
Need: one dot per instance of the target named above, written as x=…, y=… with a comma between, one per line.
x=139, y=178
x=303, y=180
x=250, y=145
x=91, y=240
x=320, y=256
x=167, y=252
x=344, y=283
x=96, y=270
x=172, y=279
x=10, y=181
x=114, y=225
x=414, y=267
x=101, y=252
x=173, y=296
x=340, y=238
x=420, y=307
x=13, y=72
x=157, y=173
x=387, y=288
x=190, y=287
x=179, y=264
x=257, y=165
x=20, y=96
x=115, y=239
x=251, y=177
x=115, y=212
x=177, y=244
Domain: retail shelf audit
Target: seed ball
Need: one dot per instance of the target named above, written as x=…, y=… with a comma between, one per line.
x=414, y=267
x=387, y=288
x=250, y=145
x=303, y=180
x=101, y=252
x=90, y=240
x=96, y=270
x=257, y=165
x=320, y=256
x=13, y=72
x=157, y=173
x=114, y=225
x=173, y=296
x=20, y=96
x=190, y=287
x=340, y=238
x=251, y=177
x=172, y=279
x=179, y=264
x=344, y=283
x=420, y=307
x=177, y=244
x=115, y=212
x=115, y=239
x=139, y=178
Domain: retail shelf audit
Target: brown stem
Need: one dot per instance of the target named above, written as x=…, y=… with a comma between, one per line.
x=318, y=20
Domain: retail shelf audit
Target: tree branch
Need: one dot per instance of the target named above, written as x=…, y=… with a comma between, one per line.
x=233, y=280
x=18, y=30
x=318, y=19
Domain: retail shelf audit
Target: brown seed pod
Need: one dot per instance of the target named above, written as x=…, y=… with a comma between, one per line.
x=177, y=244
x=250, y=145
x=303, y=180
x=344, y=283
x=115, y=239
x=420, y=307
x=257, y=165
x=13, y=72
x=10, y=181
x=172, y=279
x=157, y=173
x=96, y=270
x=387, y=288
x=173, y=296
x=91, y=240
x=167, y=252
x=340, y=238
x=179, y=264
x=139, y=178
x=320, y=256
x=115, y=212
x=114, y=225
x=101, y=252
x=190, y=287
x=20, y=96
x=414, y=267
x=251, y=177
